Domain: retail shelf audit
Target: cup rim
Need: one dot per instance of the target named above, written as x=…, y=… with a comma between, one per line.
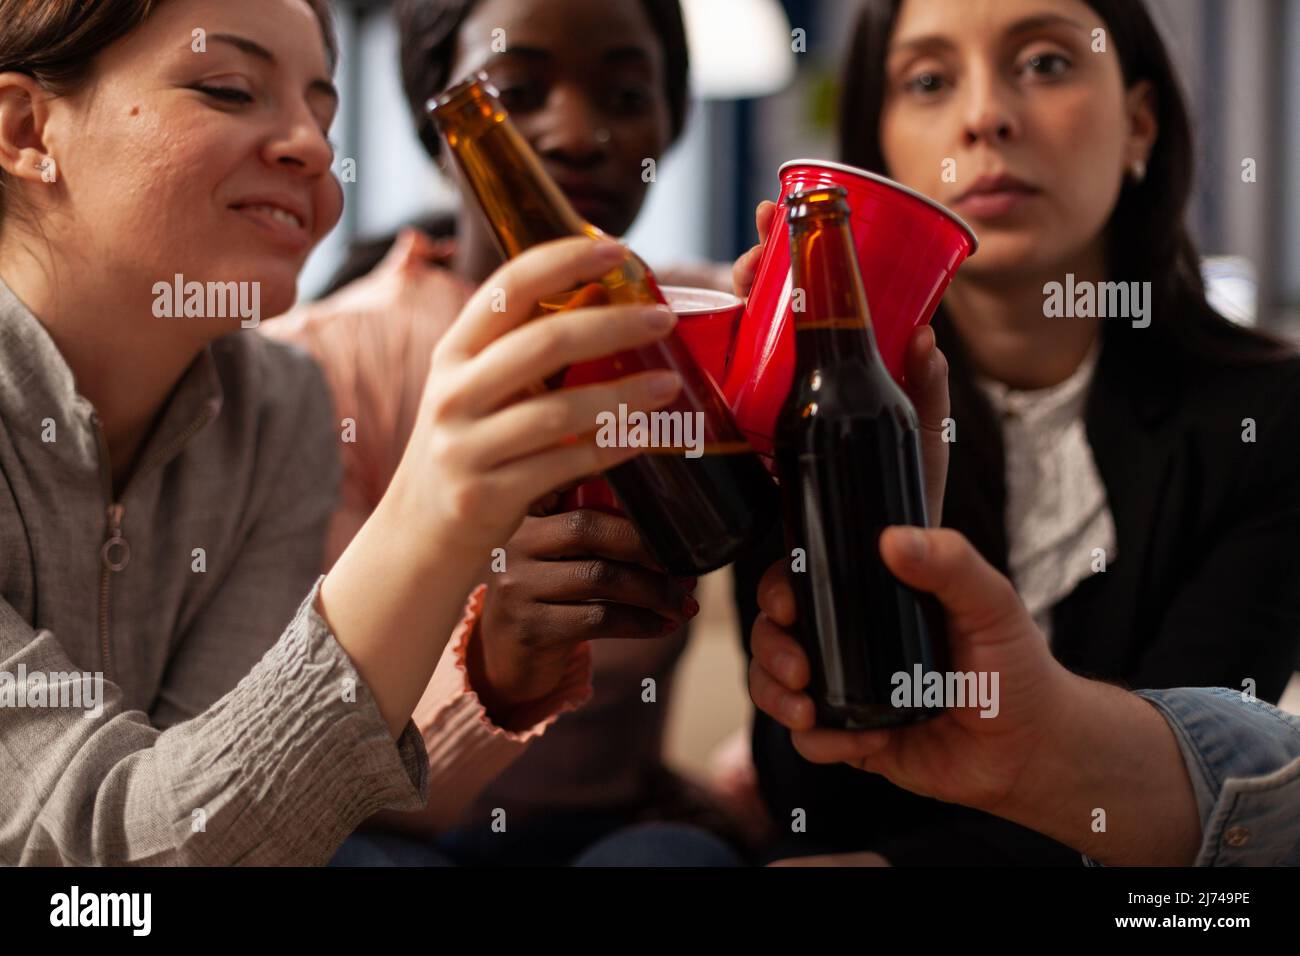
x=725, y=300
x=886, y=181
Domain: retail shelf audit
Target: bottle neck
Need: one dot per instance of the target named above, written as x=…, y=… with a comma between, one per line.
x=829, y=305
x=520, y=201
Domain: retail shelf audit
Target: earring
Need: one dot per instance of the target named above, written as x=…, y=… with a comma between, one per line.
x=1138, y=170
x=602, y=136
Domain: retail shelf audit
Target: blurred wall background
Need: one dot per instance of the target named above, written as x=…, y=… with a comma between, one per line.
x=1240, y=61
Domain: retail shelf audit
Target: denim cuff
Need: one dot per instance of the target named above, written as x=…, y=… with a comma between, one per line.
x=1243, y=759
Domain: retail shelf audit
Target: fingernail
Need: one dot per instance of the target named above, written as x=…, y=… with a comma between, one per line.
x=659, y=319
x=669, y=627
x=690, y=607
x=687, y=584
x=912, y=543
x=613, y=251
x=663, y=385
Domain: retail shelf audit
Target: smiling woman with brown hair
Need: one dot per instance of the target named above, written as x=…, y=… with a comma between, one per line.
x=165, y=482
x=1136, y=475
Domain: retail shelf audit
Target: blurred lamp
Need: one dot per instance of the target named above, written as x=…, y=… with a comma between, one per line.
x=739, y=48
x=1232, y=288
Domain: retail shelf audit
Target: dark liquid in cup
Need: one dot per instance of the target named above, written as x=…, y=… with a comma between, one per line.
x=707, y=507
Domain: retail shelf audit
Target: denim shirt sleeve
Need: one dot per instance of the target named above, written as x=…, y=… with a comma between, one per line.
x=1243, y=758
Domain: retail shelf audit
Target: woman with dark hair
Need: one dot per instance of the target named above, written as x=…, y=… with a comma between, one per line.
x=580, y=616
x=178, y=683
x=1135, y=474
x=646, y=103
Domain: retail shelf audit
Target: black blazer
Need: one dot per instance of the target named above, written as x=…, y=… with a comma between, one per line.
x=1204, y=590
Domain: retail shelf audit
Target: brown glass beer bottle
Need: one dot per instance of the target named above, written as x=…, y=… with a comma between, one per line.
x=848, y=458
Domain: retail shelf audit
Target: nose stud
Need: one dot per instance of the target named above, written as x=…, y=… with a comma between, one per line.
x=602, y=136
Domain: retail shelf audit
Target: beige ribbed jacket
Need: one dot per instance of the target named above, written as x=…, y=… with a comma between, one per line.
x=234, y=727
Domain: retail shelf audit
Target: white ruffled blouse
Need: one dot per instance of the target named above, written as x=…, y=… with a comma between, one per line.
x=1058, y=522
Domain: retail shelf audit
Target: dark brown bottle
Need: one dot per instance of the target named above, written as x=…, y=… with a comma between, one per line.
x=695, y=514
x=848, y=458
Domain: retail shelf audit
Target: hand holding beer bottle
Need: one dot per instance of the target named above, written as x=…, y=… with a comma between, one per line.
x=696, y=511
x=1058, y=746
x=479, y=455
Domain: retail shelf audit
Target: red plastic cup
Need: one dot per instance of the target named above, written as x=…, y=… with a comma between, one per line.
x=707, y=321
x=909, y=248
